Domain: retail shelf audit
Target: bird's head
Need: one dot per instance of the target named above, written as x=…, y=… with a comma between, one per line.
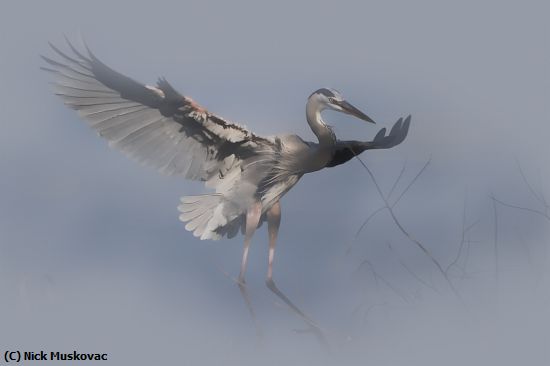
x=325, y=98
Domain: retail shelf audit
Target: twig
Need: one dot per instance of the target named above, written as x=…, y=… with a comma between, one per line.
x=465, y=229
x=537, y=212
x=412, y=181
x=411, y=272
x=398, y=179
x=377, y=276
x=374, y=213
x=409, y=236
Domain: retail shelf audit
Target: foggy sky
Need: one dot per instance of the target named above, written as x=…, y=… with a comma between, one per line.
x=93, y=257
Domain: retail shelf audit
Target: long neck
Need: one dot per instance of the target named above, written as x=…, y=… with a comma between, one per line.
x=318, y=126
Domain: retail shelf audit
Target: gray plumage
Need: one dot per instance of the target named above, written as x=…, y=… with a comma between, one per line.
x=162, y=128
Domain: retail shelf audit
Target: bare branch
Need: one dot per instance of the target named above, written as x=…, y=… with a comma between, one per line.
x=408, y=235
x=411, y=272
x=537, y=212
x=412, y=181
x=381, y=278
x=398, y=179
x=350, y=245
x=374, y=213
x=465, y=230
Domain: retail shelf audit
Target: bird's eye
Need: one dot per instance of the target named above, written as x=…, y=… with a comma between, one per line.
x=330, y=99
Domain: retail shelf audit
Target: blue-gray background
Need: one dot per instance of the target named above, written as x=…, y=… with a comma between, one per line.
x=93, y=258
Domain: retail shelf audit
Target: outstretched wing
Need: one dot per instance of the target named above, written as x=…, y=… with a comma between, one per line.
x=345, y=150
x=153, y=124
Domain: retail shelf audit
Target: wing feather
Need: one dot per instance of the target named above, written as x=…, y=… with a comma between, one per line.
x=346, y=150
x=155, y=125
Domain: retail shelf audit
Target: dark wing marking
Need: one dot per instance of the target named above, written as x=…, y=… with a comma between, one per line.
x=345, y=150
x=155, y=125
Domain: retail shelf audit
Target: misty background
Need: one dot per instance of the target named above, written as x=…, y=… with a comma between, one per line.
x=94, y=259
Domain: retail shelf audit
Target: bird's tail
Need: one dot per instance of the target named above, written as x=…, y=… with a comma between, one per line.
x=205, y=216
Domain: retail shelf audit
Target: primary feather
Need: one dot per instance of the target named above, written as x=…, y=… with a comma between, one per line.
x=159, y=127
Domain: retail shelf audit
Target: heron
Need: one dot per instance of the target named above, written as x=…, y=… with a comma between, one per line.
x=248, y=173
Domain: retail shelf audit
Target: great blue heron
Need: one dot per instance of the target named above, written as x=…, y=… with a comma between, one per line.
x=249, y=173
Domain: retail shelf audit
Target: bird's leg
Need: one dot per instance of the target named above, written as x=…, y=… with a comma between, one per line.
x=253, y=215
x=273, y=223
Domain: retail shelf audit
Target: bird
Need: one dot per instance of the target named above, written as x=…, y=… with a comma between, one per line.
x=248, y=173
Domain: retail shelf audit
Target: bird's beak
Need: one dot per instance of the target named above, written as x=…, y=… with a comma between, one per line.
x=350, y=109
